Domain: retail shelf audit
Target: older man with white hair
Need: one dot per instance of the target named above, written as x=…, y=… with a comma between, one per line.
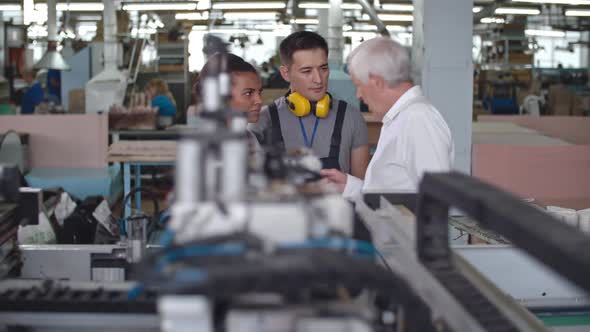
x=414, y=137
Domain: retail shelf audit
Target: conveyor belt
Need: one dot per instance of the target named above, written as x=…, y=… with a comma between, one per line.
x=55, y=298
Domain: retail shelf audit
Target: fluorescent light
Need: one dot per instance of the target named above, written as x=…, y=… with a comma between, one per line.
x=397, y=8
x=74, y=7
x=366, y=27
x=199, y=28
x=410, y=8
x=89, y=18
x=351, y=6
x=322, y=5
x=392, y=17
x=577, y=13
x=545, y=33
x=249, y=5
x=517, y=11
x=397, y=28
x=305, y=21
x=229, y=31
x=558, y=2
x=84, y=7
x=204, y=5
x=192, y=16
x=159, y=6
x=252, y=16
x=314, y=5
x=10, y=8
x=28, y=11
x=489, y=20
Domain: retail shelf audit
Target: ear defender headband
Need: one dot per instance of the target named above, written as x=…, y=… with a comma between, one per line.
x=301, y=106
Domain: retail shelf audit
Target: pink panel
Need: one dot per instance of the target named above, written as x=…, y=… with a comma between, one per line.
x=547, y=173
x=76, y=141
x=573, y=129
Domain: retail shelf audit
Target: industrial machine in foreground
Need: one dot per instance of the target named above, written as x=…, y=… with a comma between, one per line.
x=254, y=246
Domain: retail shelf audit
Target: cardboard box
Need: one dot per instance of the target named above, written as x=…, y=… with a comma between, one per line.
x=77, y=101
x=169, y=68
x=515, y=58
x=132, y=120
x=561, y=100
x=581, y=105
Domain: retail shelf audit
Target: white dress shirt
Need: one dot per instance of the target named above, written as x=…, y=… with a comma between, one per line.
x=414, y=139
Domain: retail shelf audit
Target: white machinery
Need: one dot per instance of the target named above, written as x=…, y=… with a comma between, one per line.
x=109, y=86
x=532, y=105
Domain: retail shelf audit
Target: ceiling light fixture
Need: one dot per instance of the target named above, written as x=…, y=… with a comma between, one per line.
x=192, y=16
x=10, y=8
x=305, y=21
x=392, y=17
x=250, y=16
x=517, y=11
x=577, y=13
x=397, y=8
x=557, y=2
x=73, y=7
x=159, y=6
x=322, y=5
x=397, y=28
x=249, y=5
x=545, y=33
x=490, y=20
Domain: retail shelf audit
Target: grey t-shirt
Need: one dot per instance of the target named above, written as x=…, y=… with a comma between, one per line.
x=354, y=130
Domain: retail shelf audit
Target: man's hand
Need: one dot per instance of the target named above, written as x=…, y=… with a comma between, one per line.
x=336, y=177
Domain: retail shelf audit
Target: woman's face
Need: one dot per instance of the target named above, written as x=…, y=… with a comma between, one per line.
x=151, y=90
x=246, y=94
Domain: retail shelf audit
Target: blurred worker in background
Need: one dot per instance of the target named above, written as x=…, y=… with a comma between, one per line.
x=161, y=98
x=33, y=95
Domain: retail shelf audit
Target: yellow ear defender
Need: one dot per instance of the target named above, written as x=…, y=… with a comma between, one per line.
x=301, y=107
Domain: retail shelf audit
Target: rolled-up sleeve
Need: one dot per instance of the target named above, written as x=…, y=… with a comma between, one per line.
x=353, y=189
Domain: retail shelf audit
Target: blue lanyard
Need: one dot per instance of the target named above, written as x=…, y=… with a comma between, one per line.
x=315, y=127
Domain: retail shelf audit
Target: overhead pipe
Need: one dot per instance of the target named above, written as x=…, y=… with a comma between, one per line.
x=368, y=8
x=335, y=41
x=110, y=35
x=488, y=10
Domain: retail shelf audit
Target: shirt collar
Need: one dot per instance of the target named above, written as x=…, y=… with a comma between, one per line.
x=400, y=104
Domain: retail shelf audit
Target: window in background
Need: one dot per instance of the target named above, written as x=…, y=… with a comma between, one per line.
x=556, y=50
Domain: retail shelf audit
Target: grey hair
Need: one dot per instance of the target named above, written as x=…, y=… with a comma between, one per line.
x=383, y=57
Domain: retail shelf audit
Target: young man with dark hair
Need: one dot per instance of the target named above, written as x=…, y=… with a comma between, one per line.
x=308, y=117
